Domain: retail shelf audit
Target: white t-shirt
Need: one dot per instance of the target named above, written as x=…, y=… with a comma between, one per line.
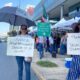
x=51, y=40
x=41, y=39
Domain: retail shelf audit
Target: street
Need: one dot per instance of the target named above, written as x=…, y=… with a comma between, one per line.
x=8, y=66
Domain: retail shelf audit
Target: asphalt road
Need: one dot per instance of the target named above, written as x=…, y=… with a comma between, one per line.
x=8, y=66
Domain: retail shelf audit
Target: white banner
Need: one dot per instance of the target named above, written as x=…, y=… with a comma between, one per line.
x=20, y=46
x=73, y=44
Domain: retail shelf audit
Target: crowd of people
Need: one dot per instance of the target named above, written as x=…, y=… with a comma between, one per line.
x=51, y=44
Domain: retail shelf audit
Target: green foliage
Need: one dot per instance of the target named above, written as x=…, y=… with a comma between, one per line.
x=46, y=64
x=12, y=33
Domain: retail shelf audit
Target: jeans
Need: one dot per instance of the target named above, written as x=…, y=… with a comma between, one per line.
x=40, y=49
x=55, y=48
x=63, y=49
x=51, y=49
x=20, y=61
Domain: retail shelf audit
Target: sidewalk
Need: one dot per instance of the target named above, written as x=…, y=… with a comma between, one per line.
x=57, y=73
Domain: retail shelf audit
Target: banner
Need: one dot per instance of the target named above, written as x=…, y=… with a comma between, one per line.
x=73, y=44
x=20, y=46
x=44, y=29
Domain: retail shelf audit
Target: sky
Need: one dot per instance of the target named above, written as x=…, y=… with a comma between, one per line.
x=4, y=27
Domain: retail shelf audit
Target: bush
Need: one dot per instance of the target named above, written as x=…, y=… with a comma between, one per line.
x=46, y=64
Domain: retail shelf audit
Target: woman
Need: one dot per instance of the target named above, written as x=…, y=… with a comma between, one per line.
x=63, y=43
x=21, y=60
x=74, y=71
x=41, y=46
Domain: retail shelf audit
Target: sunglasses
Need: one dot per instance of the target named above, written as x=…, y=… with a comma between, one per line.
x=24, y=28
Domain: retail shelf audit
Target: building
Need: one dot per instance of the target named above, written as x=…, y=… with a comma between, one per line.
x=57, y=9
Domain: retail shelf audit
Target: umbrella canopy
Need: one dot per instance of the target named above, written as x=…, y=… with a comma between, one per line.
x=33, y=30
x=59, y=24
x=15, y=16
x=71, y=21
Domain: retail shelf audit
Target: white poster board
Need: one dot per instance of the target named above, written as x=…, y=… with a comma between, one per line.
x=73, y=44
x=20, y=46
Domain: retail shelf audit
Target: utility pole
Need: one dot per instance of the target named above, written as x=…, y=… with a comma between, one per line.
x=61, y=11
x=42, y=2
x=19, y=4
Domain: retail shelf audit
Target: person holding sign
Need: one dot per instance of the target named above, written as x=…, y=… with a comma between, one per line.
x=20, y=60
x=74, y=71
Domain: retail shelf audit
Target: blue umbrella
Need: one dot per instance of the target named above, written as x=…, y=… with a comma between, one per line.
x=15, y=16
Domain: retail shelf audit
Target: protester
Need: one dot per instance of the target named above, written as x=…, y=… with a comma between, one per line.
x=47, y=44
x=51, y=42
x=58, y=42
x=21, y=60
x=74, y=71
x=63, y=44
x=36, y=42
x=54, y=46
x=41, y=46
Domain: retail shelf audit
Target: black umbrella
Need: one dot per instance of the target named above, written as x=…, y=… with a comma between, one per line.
x=15, y=16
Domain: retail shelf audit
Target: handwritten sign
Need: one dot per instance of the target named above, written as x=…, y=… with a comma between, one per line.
x=73, y=44
x=20, y=46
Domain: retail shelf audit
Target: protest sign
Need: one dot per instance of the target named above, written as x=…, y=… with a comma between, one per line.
x=20, y=46
x=44, y=29
x=73, y=44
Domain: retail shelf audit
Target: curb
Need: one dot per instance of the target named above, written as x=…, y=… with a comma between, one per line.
x=40, y=77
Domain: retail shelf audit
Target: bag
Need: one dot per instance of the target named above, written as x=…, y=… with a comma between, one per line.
x=28, y=59
x=54, y=54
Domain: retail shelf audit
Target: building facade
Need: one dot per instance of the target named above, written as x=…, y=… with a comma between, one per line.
x=56, y=9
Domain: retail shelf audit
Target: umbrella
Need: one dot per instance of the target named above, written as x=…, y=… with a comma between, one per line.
x=15, y=16
x=59, y=24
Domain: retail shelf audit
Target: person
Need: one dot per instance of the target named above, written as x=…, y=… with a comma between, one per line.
x=58, y=42
x=36, y=42
x=51, y=42
x=47, y=44
x=21, y=60
x=74, y=71
x=54, y=54
x=41, y=46
x=63, y=48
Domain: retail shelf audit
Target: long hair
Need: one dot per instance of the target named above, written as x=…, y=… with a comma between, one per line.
x=76, y=29
x=20, y=32
x=26, y=29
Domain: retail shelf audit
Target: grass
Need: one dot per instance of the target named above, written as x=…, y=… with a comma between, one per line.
x=46, y=64
x=52, y=79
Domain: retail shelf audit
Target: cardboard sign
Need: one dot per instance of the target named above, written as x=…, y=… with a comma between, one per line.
x=44, y=29
x=20, y=46
x=73, y=44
